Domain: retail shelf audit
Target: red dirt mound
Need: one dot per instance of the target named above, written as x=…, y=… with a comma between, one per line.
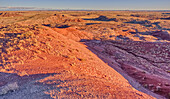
x=58, y=67
x=74, y=34
x=9, y=14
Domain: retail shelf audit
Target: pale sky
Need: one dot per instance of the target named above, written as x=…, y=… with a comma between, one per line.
x=91, y=4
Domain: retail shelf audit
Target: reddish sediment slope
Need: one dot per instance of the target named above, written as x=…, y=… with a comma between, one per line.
x=74, y=34
x=146, y=62
x=58, y=67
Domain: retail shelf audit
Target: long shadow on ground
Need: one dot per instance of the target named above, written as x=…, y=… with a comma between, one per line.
x=139, y=62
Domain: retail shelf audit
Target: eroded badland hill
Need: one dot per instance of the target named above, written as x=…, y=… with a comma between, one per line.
x=84, y=54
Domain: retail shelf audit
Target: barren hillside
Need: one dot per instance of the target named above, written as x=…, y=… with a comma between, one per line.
x=66, y=54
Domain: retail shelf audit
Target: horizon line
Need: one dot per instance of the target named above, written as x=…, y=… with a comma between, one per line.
x=10, y=8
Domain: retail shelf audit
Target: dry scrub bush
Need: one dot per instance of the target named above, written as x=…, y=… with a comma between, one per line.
x=15, y=41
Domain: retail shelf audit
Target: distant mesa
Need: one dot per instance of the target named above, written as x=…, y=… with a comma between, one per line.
x=165, y=18
x=139, y=15
x=88, y=13
x=151, y=17
x=103, y=18
x=139, y=22
x=165, y=13
x=135, y=15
